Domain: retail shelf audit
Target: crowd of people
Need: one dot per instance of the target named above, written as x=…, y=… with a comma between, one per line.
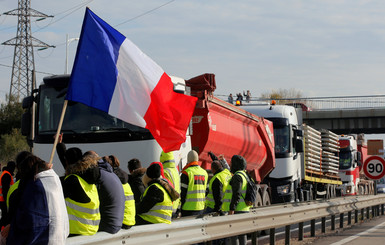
x=239, y=97
x=95, y=194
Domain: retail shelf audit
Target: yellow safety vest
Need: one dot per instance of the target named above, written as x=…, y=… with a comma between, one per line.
x=196, y=190
x=172, y=174
x=84, y=218
x=241, y=206
x=129, y=206
x=160, y=212
x=224, y=177
x=11, y=190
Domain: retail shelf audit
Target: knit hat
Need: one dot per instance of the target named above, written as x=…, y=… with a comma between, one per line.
x=153, y=171
x=238, y=163
x=161, y=168
x=192, y=156
x=73, y=155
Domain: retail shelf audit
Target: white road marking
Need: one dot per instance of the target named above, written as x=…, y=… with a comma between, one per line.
x=351, y=238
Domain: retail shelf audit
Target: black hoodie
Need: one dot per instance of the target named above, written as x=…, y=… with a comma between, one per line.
x=237, y=163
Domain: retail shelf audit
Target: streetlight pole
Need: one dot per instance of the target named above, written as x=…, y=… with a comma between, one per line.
x=68, y=41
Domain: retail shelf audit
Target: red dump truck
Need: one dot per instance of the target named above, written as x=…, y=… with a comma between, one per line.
x=223, y=128
x=217, y=126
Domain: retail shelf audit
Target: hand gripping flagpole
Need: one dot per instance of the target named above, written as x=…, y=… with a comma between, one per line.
x=63, y=112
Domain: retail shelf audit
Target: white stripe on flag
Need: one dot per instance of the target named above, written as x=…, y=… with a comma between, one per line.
x=137, y=77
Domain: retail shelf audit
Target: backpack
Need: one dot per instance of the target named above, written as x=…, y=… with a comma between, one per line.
x=251, y=191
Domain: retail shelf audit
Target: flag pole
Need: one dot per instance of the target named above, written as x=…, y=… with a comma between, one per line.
x=58, y=131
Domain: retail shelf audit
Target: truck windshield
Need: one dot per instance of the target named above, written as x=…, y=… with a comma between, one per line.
x=345, y=159
x=79, y=119
x=282, y=140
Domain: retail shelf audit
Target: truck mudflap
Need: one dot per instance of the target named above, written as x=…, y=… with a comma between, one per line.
x=223, y=128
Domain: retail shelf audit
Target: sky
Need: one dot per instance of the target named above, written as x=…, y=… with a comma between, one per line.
x=320, y=48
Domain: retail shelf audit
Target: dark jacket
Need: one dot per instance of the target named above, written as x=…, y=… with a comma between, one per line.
x=135, y=181
x=237, y=163
x=217, y=193
x=88, y=170
x=122, y=175
x=111, y=196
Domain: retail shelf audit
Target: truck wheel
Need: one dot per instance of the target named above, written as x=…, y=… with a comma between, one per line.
x=266, y=198
x=334, y=191
x=328, y=192
x=311, y=194
x=361, y=190
x=258, y=201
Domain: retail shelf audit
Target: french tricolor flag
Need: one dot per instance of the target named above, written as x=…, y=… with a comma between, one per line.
x=112, y=74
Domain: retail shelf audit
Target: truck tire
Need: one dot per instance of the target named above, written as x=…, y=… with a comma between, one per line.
x=266, y=198
x=258, y=201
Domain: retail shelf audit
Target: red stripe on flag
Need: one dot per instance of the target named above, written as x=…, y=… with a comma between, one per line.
x=169, y=115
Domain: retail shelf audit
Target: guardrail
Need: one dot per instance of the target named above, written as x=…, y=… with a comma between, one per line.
x=188, y=230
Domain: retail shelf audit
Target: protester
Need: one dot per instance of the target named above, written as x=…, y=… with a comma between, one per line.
x=172, y=174
x=115, y=164
x=111, y=196
x=129, y=204
x=6, y=181
x=80, y=192
x=156, y=203
x=248, y=96
x=230, y=98
x=41, y=216
x=217, y=187
x=67, y=156
x=135, y=178
x=193, y=186
x=12, y=196
x=233, y=201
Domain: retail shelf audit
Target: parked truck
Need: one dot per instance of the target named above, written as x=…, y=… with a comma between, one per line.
x=216, y=126
x=352, y=156
x=306, y=159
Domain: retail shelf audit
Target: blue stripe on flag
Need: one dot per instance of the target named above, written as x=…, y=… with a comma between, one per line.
x=94, y=73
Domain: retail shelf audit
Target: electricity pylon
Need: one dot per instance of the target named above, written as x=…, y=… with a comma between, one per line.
x=23, y=68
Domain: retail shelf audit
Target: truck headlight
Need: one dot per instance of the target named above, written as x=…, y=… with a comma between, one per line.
x=348, y=189
x=283, y=189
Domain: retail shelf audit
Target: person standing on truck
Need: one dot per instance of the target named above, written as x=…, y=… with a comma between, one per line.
x=6, y=181
x=41, y=216
x=230, y=98
x=193, y=186
x=80, y=192
x=233, y=201
x=172, y=174
x=129, y=207
x=247, y=95
x=111, y=196
x=217, y=187
x=156, y=203
x=135, y=178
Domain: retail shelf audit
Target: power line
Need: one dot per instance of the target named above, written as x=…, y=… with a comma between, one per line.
x=145, y=13
x=76, y=8
x=40, y=72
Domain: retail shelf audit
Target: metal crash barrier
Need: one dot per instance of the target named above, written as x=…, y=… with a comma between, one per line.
x=195, y=230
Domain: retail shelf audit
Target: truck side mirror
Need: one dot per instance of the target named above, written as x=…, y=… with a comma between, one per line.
x=27, y=102
x=299, y=133
x=359, y=155
x=298, y=145
x=26, y=123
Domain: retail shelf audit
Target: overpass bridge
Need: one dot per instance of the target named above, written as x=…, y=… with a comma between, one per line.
x=346, y=121
x=342, y=114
